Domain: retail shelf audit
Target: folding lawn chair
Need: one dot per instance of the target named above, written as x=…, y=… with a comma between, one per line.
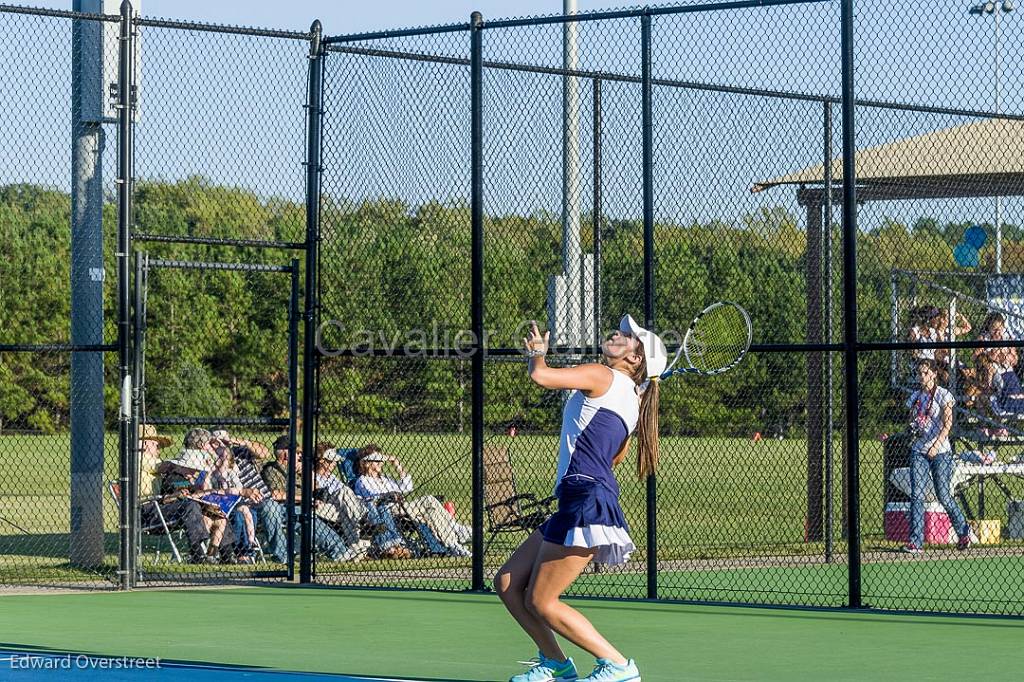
x=251, y=479
x=418, y=536
x=157, y=529
x=508, y=510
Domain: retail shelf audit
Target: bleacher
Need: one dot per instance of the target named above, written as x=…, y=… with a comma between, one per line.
x=971, y=296
x=988, y=439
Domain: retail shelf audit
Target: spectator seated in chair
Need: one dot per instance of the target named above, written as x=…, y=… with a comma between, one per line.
x=182, y=513
x=182, y=481
x=1009, y=395
x=274, y=515
x=226, y=478
x=922, y=332
x=352, y=512
x=416, y=535
x=942, y=332
x=372, y=484
x=980, y=385
x=930, y=324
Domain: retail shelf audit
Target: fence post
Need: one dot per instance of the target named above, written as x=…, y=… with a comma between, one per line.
x=648, y=184
x=127, y=426
x=477, y=303
x=850, y=304
x=598, y=210
x=138, y=390
x=138, y=385
x=293, y=407
x=827, y=237
x=314, y=109
x=815, y=376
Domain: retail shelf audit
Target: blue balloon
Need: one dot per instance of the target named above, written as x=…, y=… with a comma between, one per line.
x=966, y=256
x=975, y=236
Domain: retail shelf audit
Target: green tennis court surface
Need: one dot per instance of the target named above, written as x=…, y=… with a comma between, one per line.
x=438, y=636
x=941, y=580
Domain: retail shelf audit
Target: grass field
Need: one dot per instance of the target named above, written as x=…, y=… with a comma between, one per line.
x=730, y=525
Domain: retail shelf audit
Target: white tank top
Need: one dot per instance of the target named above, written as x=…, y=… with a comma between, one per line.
x=593, y=430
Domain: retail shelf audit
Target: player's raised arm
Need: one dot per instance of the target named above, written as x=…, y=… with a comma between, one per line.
x=589, y=378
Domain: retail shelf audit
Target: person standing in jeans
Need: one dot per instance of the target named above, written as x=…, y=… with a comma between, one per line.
x=931, y=419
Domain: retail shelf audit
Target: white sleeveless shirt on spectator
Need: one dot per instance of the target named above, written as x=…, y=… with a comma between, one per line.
x=926, y=407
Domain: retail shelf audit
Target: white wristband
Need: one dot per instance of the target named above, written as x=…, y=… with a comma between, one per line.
x=536, y=353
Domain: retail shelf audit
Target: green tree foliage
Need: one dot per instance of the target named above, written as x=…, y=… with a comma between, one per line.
x=397, y=276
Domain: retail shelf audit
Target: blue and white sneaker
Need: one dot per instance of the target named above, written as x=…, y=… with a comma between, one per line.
x=544, y=669
x=606, y=671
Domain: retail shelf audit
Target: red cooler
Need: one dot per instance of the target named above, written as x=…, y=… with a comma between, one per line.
x=937, y=528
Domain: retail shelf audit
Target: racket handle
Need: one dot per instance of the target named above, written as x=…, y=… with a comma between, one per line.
x=679, y=370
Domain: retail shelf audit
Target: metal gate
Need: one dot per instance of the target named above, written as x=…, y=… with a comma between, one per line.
x=195, y=381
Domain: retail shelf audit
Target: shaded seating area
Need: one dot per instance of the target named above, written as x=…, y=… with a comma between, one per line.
x=981, y=158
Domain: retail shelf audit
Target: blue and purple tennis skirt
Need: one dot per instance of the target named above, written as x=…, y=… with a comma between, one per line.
x=589, y=515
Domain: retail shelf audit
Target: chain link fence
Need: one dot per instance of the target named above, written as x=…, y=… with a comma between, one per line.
x=940, y=188
x=57, y=316
x=219, y=208
x=219, y=141
x=204, y=187
x=208, y=371
x=462, y=180
x=395, y=303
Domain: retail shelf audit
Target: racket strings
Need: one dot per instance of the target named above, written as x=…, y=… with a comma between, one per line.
x=718, y=339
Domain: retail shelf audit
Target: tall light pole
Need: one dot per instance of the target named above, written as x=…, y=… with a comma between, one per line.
x=570, y=309
x=88, y=114
x=996, y=10
x=570, y=324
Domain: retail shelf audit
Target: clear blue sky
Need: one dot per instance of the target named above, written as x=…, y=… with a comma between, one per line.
x=346, y=16
x=711, y=149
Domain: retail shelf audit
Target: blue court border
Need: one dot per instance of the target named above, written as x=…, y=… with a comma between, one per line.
x=21, y=665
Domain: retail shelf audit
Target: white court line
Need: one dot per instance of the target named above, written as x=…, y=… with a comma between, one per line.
x=342, y=677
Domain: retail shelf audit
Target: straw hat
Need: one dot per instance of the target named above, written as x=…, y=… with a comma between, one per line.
x=148, y=432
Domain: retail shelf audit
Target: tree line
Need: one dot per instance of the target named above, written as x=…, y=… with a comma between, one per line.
x=217, y=341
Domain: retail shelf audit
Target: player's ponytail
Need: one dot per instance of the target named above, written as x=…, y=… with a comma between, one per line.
x=647, y=424
x=647, y=431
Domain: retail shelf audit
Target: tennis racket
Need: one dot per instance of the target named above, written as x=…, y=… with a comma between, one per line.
x=716, y=341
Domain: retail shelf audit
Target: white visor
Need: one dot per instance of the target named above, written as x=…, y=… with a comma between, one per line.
x=654, y=348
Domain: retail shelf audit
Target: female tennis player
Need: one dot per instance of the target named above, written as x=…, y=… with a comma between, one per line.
x=609, y=400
